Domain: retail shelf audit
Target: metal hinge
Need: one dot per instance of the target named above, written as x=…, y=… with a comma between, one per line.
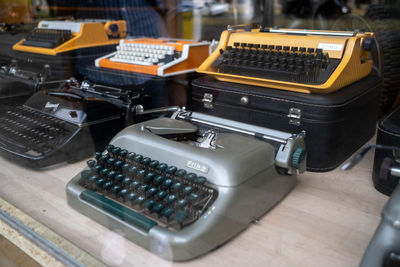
x=294, y=116
x=208, y=100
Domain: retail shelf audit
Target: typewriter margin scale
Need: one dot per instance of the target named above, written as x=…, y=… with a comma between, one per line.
x=240, y=201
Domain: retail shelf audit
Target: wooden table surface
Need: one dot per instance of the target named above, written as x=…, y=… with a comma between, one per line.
x=327, y=220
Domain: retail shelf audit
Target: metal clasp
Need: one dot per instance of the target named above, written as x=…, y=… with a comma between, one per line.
x=208, y=100
x=294, y=116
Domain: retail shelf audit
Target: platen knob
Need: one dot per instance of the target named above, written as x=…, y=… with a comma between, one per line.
x=298, y=156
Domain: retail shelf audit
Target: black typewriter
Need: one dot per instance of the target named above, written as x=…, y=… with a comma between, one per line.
x=47, y=38
x=64, y=124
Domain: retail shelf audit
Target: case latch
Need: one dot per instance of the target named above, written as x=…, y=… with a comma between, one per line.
x=208, y=100
x=294, y=116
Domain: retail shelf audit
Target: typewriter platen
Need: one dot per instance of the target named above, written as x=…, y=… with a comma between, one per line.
x=297, y=60
x=51, y=126
x=184, y=185
x=159, y=57
x=55, y=37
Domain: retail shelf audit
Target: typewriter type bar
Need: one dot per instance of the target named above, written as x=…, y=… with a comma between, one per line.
x=170, y=184
x=160, y=57
x=296, y=60
x=55, y=37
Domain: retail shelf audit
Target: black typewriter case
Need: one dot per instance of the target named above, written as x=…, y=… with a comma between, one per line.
x=336, y=124
x=14, y=90
x=388, y=135
x=99, y=122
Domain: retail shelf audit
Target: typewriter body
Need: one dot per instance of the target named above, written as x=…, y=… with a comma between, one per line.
x=297, y=60
x=63, y=124
x=56, y=37
x=184, y=185
x=156, y=56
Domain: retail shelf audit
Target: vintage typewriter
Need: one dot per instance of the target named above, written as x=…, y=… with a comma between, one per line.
x=297, y=60
x=64, y=124
x=156, y=56
x=62, y=44
x=181, y=186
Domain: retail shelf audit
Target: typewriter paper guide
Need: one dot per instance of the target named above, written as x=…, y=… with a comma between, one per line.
x=236, y=158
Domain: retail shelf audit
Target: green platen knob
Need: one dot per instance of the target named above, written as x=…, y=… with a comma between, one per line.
x=298, y=156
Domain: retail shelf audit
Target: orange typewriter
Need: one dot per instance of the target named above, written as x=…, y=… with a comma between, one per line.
x=307, y=61
x=156, y=56
x=56, y=37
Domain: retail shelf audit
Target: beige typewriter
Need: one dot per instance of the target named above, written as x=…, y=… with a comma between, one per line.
x=307, y=61
x=181, y=186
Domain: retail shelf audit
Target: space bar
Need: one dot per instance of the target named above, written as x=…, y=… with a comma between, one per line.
x=118, y=210
x=134, y=62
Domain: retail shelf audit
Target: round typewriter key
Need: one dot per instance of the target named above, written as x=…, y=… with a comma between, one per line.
x=146, y=161
x=171, y=169
x=134, y=185
x=104, y=158
x=111, y=174
x=86, y=174
x=119, y=177
x=91, y=163
x=162, y=167
x=138, y=158
x=181, y=203
x=123, y=153
x=123, y=193
x=115, y=189
x=125, y=167
x=141, y=173
x=109, y=148
x=193, y=197
x=104, y=172
x=171, y=199
x=177, y=186
x=126, y=181
x=131, y=196
x=144, y=187
x=118, y=164
x=162, y=194
x=152, y=191
x=167, y=212
x=131, y=155
x=201, y=180
x=100, y=182
x=149, y=204
x=149, y=177
x=93, y=178
x=187, y=189
x=158, y=207
x=180, y=216
x=167, y=183
x=116, y=150
x=132, y=170
x=180, y=173
x=107, y=185
x=159, y=179
x=97, y=155
x=191, y=176
x=153, y=163
x=140, y=199
x=110, y=162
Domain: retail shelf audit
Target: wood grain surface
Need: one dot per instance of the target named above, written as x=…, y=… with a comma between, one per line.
x=327, y=220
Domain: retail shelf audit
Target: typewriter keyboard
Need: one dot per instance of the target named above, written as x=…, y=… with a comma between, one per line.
x=144, y=54
x=293, y=64
x=32, y=132
x=47, y=38
x=144, y=191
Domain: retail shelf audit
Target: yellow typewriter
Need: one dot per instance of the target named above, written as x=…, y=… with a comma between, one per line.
x=308, y=61
x=56, y=37
x=156, y=56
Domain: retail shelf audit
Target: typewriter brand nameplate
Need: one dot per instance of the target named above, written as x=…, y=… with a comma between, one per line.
x=332, y=47
x=197, y=166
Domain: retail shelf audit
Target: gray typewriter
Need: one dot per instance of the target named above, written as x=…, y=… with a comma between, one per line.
x=183, y=185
